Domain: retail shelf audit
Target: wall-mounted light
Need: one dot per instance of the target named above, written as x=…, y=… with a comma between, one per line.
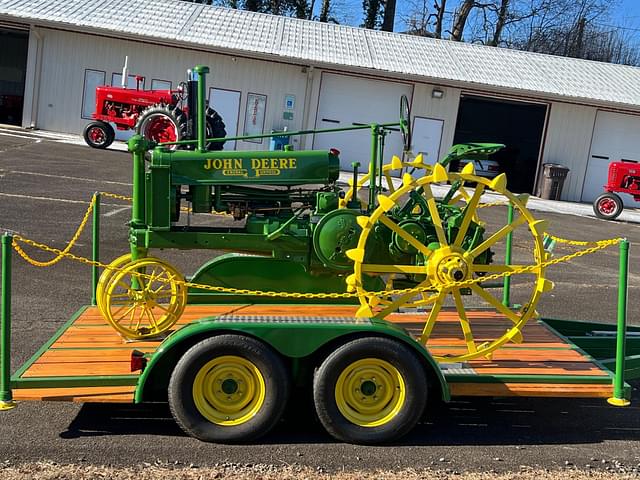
x=437, y=93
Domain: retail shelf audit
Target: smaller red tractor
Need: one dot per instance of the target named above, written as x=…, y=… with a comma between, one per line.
x=624, y=177
x=159, y=115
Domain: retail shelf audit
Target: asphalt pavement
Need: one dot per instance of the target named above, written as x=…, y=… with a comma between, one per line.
x=45, y=184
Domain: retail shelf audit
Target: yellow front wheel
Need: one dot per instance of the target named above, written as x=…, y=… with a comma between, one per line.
x=370, y=390
x=144, y=299
x=228, y=388
x=107, y=275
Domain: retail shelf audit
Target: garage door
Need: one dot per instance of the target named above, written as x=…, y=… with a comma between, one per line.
x=615, y=137
x=346, y=101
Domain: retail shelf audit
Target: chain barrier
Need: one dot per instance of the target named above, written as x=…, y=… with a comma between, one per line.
x=260, y=293
x=65, y=253
x=130, y=199
x=578, y=243
x=492, y=204
x=116, y=196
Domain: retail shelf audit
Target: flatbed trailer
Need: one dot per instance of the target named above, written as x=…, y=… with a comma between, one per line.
x=87, y=361
x=229, y=371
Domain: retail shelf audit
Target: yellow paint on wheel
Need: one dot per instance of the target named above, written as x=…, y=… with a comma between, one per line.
x=452, y=266
x=370, y=392
x=229, y=390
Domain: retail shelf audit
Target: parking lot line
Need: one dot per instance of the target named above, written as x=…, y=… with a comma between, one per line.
x=65, y=177
x=52, y=199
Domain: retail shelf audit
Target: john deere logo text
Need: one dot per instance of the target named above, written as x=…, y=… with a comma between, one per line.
x=260, y=166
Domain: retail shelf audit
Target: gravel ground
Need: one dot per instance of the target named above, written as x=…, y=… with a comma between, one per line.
x=50, y=471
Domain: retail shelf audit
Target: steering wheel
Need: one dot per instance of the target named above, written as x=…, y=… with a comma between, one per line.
x=405, y=122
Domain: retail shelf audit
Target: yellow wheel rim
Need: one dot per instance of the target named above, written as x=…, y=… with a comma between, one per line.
x=437, y=267
x=370, y=392
x=107, y=275
x=149, y=308
x=229, y=390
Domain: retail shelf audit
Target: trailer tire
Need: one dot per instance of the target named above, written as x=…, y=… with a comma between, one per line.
x=253, y=389
x=98, y=134
x=162, y=123
x=215, y=129
x=608, y=206
x=370, y=390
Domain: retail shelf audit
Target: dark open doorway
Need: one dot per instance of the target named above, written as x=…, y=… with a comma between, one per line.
x=518, y=125
x=13, y=68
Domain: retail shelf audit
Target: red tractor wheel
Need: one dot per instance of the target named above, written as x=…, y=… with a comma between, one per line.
x=98, y=134
x=608, y=206
x=162, y=123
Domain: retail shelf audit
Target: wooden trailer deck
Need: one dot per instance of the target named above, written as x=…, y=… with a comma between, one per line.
x=545, y=364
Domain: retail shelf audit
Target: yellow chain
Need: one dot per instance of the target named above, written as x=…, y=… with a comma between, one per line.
x=130, y=199
x=579, y=243
x=115, y=195
x=260, y=293
x=62, y=253
x=492, y=204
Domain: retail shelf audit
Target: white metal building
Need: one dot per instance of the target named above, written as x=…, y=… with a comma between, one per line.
x=272, y=72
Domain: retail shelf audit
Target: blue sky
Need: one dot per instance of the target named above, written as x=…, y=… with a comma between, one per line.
x=626, y=16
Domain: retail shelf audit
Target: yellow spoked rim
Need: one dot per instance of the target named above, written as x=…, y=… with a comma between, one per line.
x=370, y=392
x=144, y=306
x=438, y=264
x=107, y=275
x=229, y=390
x=389, y=171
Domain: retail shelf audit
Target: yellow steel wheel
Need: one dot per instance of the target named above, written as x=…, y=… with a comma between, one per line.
x=449, y=257
x=390, y=171
x=370, y=392
x=107, y=275
x=229, y=390
x=144, y=299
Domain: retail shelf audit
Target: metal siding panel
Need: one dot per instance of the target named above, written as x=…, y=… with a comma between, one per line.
x=568, y=142
x=67, y=55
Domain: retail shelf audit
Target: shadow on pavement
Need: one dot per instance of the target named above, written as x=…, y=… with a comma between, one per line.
x=470, y=421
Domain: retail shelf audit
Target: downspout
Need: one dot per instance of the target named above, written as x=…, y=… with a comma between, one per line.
x=307, y=107
x=35, y=94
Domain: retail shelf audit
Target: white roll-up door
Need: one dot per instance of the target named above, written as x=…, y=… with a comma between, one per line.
x=616, y=137
x=348, y=100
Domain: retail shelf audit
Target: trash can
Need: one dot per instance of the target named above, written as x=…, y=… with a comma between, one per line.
x=553, y=176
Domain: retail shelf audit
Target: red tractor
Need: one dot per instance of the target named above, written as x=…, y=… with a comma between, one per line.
x=624, y=177
x=159, y=115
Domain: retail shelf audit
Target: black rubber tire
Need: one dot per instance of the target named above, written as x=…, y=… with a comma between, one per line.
x=172, y=113
x=215, y=129
x=270, y=365
x=393, y=352
x=107, y=131
x=598, y=204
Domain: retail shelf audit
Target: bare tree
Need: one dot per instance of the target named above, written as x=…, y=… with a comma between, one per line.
x=372, y=12
x=575, y=28
x=439, y=17
x=389, y=17
x=460, y=19
x=502, y=17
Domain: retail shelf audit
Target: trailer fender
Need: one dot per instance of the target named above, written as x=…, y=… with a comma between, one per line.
x=293, y=338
